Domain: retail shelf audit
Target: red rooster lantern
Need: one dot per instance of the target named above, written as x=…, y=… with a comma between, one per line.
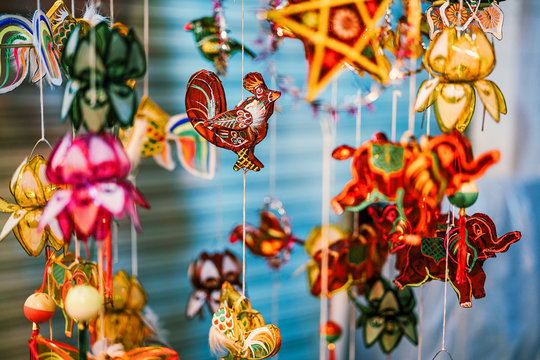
x=239, y=129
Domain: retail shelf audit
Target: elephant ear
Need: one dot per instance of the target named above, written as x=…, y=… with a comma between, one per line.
x=343, y=152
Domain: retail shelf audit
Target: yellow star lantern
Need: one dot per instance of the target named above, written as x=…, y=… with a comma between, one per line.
x=335, y=32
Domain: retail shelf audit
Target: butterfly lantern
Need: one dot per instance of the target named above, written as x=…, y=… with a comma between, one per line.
x=241, y=330
x=152, y=132
x=240, y=129
x=273, y=238
x=408, y=174
x=459, y=65
x=207, y=274
x=32, y=191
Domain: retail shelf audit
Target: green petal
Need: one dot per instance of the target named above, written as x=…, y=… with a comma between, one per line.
x=389, y=341
x=372, y=330
x=70, y=93
x=124, y=103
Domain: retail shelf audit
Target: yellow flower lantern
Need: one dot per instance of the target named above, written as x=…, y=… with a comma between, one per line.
x=31, y=190
x=459, y=65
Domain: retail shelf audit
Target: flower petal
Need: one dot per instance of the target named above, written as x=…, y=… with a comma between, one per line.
x=454, y=106
x=426, y=95
x=13, y=220
x=491, y=97
x=56, y=204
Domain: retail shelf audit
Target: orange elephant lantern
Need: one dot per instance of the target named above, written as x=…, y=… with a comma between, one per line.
x=414, y=176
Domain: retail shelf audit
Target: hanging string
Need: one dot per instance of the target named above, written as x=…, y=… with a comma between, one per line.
x=273, y=136
x=146, y=45
x=101, y=287
x=77, y=248
x=243, y=50
x=115, y=241
x=412, y=94
x=352, y=327
x=244, y=238
x=327, y=127
x=420, y=321
x=358, y=136
x=111, y=10
x=395, y=95
x=73, y=8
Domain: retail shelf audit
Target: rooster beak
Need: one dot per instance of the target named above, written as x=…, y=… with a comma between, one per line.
x=275, y=95
x=188, y=26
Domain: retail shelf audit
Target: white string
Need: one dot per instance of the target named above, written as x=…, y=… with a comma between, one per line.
x=273, y=136
x=243, y=50
x=77, y=248
x=352, y=328
x=395, y=95
x=244, y=238
x=42, y=114
x=412, y=94
x=146, y=35
x=111, y=10
x=358, y=136
x=73, y=8
x=420, y=321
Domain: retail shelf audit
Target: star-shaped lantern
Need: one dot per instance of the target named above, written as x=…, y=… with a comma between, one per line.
x=335, y=33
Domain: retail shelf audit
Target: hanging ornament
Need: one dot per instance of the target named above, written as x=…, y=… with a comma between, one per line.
x=459, y=65
x=99, y=65
x=93, y=169
x=408, y=174
x=353, y=260
x=63, y=23
x=331, y=332
x=240, y=129
x=211, y=36
x=240, y=330
x=387, y=316
x=61, y=273
x=152, y=132
x=39, y=308
x=334, y=34
x=338, y=277
x=207, y=274
x=419, y=264
x=405, y=41
x=484, y=15
x=273, y=239
x=29, y=44
x=31, y=190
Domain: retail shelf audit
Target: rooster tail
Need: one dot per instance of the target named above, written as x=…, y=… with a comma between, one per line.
x=205, y=98
x=219, y=343
x=252, y=80
x=262, y=343
x=246, y=162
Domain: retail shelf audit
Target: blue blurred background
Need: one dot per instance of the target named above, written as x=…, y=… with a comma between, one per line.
x=190, y=215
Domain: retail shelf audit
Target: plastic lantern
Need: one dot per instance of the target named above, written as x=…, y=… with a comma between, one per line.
x=83, y=302
x=39, y=308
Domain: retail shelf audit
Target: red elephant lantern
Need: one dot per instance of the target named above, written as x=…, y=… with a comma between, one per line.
x=414, y=176
x=419, y=264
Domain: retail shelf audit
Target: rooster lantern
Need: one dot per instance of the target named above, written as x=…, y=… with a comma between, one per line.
x=239, y=129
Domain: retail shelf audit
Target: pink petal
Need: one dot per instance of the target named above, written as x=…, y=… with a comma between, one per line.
x=56, y=204
x=111, y=196
x=54, y=171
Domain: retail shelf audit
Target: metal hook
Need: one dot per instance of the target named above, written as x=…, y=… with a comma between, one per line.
x=37, y=143
x=441, y=351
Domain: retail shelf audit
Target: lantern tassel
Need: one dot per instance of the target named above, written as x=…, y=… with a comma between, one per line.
x=462, y=248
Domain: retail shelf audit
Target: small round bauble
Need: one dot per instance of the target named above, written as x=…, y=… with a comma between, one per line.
x=39, y=308
x=331, y=331
x=82, y=302
x=465, y=196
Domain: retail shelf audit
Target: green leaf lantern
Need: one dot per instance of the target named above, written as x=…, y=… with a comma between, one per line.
x=100, y=66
